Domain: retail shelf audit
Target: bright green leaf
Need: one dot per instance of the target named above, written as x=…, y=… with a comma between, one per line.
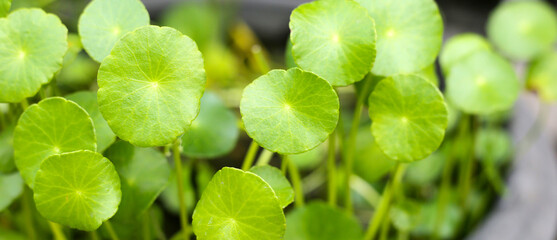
x=409, y=34
x=11, y=186
x=482, y=83
x=409, y=117
x=5, y=7
x=461, y=46
x=542, y=76
x=333, y=39
x=278, y=182
x=32, y=46
x=214, y=132
x=523, y=29
x=104, y=22
x=79, y=189
x=370, y=162
x=238, y=205
x=319, y=221
x=290, y=111
x=150, y=86
x=54, y=125
x=88, y=101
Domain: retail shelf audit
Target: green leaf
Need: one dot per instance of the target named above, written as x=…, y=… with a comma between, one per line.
x=278, y=182
x=214, y=132
x=542, y=76
x=409, y=34
x=32, y=46
x=310, y=159
x=238, y=205
x=429, y=73
x=7, y=164
x=170, y=195
x=104, y=22
x=290, y=111
x=459, y=47
x=54, y=125
x=493, y=144
x=405, y=215
x=79, y=189
x=144, y=174
x=333, y=39
x=370, y=162
x=424, y=172
x=88, y=101
x=5, y=7
x=150, y=86
x=523, y=29
x=482, y=83
x=11, y=186
x=409, y=117
x=319, y=221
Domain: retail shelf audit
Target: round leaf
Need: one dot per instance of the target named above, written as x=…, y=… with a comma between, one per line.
x=53, y=126
x=409, y=117
x=319, y=221
x=482, y=83
x=150, y=86
x=333, y=39
x=88, y=101
x=214, y=132
x=104, y=22
x=11, y=186
x=542, y=77
x=409, y=34
x=32, y=46
x=290, y=111
x=80, y=189
x=523, y=29
x=238, y=205
x=459, y=47
x=370, y=162
x=278, y=183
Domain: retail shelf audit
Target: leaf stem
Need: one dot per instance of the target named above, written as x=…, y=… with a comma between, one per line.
x=56, y=231
x=366, y=190
x=24, y=104
x=110, y=230
x=284, y=165
x=146, y=226
x=296, y=182
x=467, y=169
x=94, y=235
x=385, y=202
x=260, y=59
x=385, y=228
x=331, y=171
x=493, y=176
x=29, y=225
x=264, y=158
x=183, y=209
x=250, y=156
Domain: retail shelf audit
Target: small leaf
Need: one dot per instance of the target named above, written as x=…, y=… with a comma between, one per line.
x=290, y=111
x=523, y=29
x=53, y=126
x=409, y=34
x=32, y=46
x=214, y=132
x=482, y=83
x=459, y=47
x=333, y=39
x=11, y=187
x=238, y=205
x=5, y=7
x=150, y=86
x=278, y=182
x=409, y=117
x=542, y=76
x=104, y=22
x=88, y=101
x=78, y=189
x=319, y=221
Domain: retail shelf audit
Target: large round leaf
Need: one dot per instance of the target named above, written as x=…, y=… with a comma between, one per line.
x=104, y=22
x=319, y=221
x=460, y=46
x=278, y=182
x=32, y=46
x=88, y=101
x=409, y=117
x=238, y=205
x=11, y=186
x=523, y=29
x=214, y=132
x=333, y=39
x=150, y=86
x=289, y=111
x=482, y=83
x=409, y=34
x=53, y=126
x=79, y=189
x=542, y=76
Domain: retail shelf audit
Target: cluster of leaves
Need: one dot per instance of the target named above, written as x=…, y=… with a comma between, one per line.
x=101, y=154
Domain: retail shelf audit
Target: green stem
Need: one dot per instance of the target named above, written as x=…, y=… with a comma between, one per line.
x=349, y=156
x=296, y=182
x=264, y=158
x=284, y=165
x=385, y=203
x=493, y=176
x=385, y=228
x=94, y=235
x=157, y=226
x=42, y=93
x=250, y=156
x=365, y=190
x=110, y=230
x=402, y=235
x=146, y=226
x=56, y=231
x=29, y=224
x=260, y=59
x=331, y=171
x=178, y=163
x=24, y=104
x=469, y=165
